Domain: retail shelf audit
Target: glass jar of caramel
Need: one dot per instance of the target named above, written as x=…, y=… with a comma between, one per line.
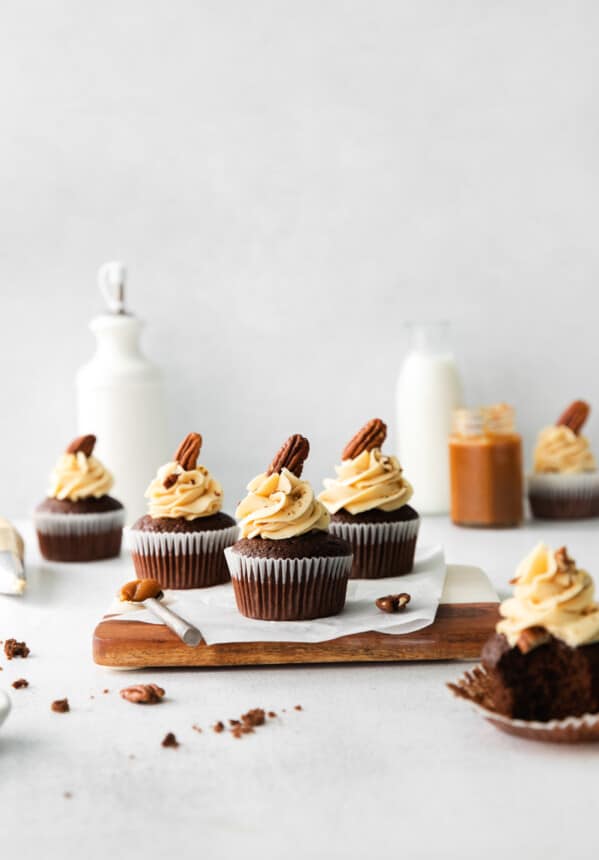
x=485, y=465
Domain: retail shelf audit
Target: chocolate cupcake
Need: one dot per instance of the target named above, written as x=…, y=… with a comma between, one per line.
x=287, y=567
x=565, y=481
x=180, y=541
x=79, y=521
x=368, y=503
x=540, y=670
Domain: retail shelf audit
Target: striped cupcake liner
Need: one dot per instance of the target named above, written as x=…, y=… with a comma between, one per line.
x=566, y=497
x=380, y=549
x=288, y=589
x=79, y=537
x=182, y=560
x=78, y=525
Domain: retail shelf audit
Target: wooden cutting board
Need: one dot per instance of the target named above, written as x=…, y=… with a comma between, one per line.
x=466, y=617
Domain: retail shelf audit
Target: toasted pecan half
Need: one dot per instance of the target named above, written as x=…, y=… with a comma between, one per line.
x=188, y=451
x=371, y=435
x=291, y=455
x=82, y=444
x=575, y=416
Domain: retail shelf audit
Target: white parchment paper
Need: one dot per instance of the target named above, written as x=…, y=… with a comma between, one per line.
x=214, y=611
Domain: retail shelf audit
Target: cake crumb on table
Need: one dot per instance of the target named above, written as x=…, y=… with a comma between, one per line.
x=12, y=648
x=20, y=684
x=170, y=740
x=60, y=706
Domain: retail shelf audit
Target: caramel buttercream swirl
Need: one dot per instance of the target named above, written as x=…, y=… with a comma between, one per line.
x=76, y=476
x=370, y=480
x=552, y=593
x=280, y=506
x=561, y=450
x=186, y=493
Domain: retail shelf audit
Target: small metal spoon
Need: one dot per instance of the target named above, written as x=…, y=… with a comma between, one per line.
x=186, y=632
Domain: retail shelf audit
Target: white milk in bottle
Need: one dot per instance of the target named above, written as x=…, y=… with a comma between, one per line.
x=120, y=398
x=428, y=390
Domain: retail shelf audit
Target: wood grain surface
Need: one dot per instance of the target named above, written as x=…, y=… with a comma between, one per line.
x=457, y=633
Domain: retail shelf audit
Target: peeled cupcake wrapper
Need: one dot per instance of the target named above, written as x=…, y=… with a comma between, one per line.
x=67, y=525
x=289, y=588
x=471, y=687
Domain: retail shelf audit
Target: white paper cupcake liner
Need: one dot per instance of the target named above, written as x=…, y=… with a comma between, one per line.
x=367, y=534
x=181, y=543
x=564, y=496
x=380, y=549
x=286, y=570
x=584, y=485
x=78, y=525
x=289, y=589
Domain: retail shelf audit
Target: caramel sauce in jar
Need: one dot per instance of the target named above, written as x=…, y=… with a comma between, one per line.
x=485, y=465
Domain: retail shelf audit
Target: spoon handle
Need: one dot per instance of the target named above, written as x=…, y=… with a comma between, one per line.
x=187, y=633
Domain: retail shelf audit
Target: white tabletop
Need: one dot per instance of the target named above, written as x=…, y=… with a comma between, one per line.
x=381, y=762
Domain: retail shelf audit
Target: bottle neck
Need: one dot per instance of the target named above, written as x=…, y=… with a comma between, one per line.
x=429, y=338
x=117, y=336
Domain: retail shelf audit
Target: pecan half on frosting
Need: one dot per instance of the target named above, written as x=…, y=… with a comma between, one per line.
x=188, y=451
x=291, y=456
x=82, y=444
x=574, y=416
x=371, y=435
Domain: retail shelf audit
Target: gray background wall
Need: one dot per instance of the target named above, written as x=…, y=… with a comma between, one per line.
x=289, y=182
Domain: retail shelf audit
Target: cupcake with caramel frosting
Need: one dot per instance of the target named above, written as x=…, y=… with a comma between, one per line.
x=180, y=541
x=368, y=503
x=539, y=677
x=286, y=566
x=565, y=480
x=79, y=520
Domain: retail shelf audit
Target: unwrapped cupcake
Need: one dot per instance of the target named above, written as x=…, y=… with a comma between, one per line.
x=565, y=481
x=286, y=566
x=180, y=541
x=79, y=521
x=540, y=670
x=368, y=503
x=539, y=677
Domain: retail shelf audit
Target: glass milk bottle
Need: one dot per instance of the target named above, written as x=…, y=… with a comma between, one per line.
x=120, y=397
x=428, y=391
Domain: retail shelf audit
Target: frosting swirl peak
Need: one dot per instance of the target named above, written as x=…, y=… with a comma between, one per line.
x=370, y=480
x=77, y=476
x=552, y=593
x=559, y=449
x=279, y=506
x=186, y=493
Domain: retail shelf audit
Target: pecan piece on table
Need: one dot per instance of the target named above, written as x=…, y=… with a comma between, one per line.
x=393, y=602
x=143, y=694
